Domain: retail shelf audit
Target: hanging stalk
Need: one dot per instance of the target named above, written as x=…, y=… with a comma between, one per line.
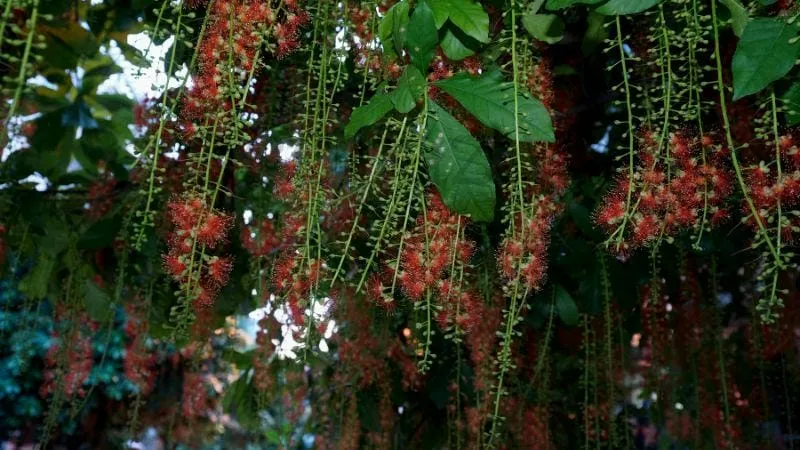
x=729, y=137
x=620, y=232
x=23, y=66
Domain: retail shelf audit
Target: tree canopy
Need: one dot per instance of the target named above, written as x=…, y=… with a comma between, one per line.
x=399, y=224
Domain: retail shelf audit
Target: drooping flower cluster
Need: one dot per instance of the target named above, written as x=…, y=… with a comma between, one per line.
x=294, y=279
x=431, y=263
x=662, y=197
x=263, y=378
x=362, y=21
x=198, y=229
x=100, y=198
x=232, y=37
x=768, y=189
x=525, y=253
x=69, y=361
x=194, y=401
x=139, y=362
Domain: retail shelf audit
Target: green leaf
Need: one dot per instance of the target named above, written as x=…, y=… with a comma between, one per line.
x=97, y=302
x=242, y=360
x=67, y=42
x=410, y=87
x=457, y=166
x=791, y=101
x=456, y=45
x=422, y=41
x=114, y=102
x=544, y=27
x=596, y=32
x=78, y=115
x=763, y=55
x=625, y=7
x=491, y=100
x=554, y=5
x=393, y=28
x=34, y=285
x=739, y=15
x=366, y=115
x=133, y=55
x=467, y=15
x=567, y=309
x=101, y=234
x=55, y=144
x=240, y=400
x=97, y=70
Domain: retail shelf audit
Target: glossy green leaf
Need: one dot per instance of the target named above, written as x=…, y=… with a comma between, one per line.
x=97, y=302
x=97, y=70
x=133, y=55
x=566, y=307
x=791, y=101
x=35, y=283
x=491, y=100
x=393, y=28
x=421, y=42
x=67, y=44
x=456, y=45
x=46, y=99
x=366, y=115
x=553, y=5
x=101, y=233
x=468, y=15
x=457, y=166
x=625, y=7
x=739, y=15
x=410, y=87
x=596, y=32
x=78, y=115
x=764, y=54
x=114, y=102
x=240, y=400
x=544, y=27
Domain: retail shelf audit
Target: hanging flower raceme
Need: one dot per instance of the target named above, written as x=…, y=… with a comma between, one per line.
x=525, y=253
x=666, y=194
x=70, y=359
x=194, y=401
x=197, y=230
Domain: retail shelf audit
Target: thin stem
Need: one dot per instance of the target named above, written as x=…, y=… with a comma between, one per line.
x=729, y=137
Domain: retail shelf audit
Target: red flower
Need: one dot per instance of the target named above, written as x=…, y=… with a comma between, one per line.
x=219, y=269
x=213, y=230
x=174, y=266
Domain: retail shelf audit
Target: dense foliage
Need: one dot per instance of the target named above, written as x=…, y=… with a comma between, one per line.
x=399, y=224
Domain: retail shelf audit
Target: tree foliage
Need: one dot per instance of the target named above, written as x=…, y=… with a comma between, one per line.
x=399, y=223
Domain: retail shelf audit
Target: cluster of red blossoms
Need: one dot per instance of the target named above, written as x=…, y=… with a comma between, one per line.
x=194, y=401
x=294, y=279
x=235, y=32
x=139, y=362
x=232, y=35
x=197, y=227
x=767, y=189
x=287, y=31
x=667, y=195
x=362, y=31
x=524, y=253
x=78, y=356
x=429, y=261
x=263, y=379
